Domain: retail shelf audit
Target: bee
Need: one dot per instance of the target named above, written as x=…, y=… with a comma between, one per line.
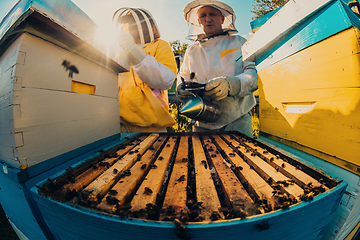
x=239, y=168
x=265, y=151
x=215, y=216
x=261, y=210
x=112, y=200
x=205, y=163
x=148, y=191
x=104, y=164
x=127, y=172
x=143, y=166
x=213, y=155
x=192, y=75
x=179, y=225
x=243, y=214
x=153, y=166
x=114, y=155
x=285, y=205
x=71, y=68
x=232, y=154
x=271, y=159
x=277, y=156
x=184, y=160
x=113, y=192
x=170, y=210
x=70, y=178
x=182, y=178
x=115, y=171
x=160, y=158
x=283, y=165
x=168, y=145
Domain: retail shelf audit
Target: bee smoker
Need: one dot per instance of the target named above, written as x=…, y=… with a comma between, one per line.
x=198, y=108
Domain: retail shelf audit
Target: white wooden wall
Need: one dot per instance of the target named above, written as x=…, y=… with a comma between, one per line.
x=40, y=117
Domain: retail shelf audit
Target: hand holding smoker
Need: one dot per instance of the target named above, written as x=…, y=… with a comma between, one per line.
x=196, y=107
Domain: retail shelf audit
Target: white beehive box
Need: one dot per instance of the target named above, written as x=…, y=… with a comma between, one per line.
x=43, y=115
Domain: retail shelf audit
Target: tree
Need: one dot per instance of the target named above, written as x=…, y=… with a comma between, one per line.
x=262, y=7
x=178, y=48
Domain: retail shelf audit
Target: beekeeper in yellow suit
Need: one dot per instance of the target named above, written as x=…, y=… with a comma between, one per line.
x=143, y=97
x=216, y=59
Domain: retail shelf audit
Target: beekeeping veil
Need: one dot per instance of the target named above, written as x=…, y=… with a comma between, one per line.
x=196, y=32
x=139, y=22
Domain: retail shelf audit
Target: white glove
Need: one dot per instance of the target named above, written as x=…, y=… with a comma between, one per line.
x=125, y=40
x=135, y=53
x=220, y=87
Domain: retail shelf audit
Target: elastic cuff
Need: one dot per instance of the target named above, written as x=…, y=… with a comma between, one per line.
x=234, y=85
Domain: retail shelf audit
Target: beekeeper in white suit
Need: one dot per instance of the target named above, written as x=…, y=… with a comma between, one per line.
x=216, y=59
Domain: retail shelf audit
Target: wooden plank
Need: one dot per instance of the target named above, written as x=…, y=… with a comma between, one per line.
x=176, y=194
x=284, y=21
x=332, y=21
x=270, y=174
x=93, y=171
x=254, y=183
x=151, y=185
x=236, y=196
x=63, y=125
x=55, y=76
x=123, y=189
x=301, y=178
x=105, y=181
x=205, y=188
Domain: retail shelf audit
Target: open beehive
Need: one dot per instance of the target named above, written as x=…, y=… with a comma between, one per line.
x=188, y=178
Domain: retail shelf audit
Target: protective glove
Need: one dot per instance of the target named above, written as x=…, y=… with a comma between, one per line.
x=135, y=53
x=220, y=87
x=181, y=92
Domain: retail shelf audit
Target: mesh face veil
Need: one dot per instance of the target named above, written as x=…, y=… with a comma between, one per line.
x=139, y=23
x=196, y=32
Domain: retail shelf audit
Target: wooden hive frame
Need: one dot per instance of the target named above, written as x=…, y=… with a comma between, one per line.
x=189, y=178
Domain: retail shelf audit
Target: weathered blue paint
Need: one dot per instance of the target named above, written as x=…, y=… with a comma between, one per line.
x=257, y=23
x=330, y=20
x=15, y=197
x=306, y=220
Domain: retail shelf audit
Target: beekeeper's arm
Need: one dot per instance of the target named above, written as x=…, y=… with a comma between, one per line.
x=184, y=75
x=157, y=72
x=239, y=85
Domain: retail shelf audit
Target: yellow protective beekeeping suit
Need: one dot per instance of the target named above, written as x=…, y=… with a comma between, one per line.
x=143, y=109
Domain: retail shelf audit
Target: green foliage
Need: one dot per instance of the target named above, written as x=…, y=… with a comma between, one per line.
x=255, y=121
x=262, y=7
x=178, y=47
x=182, y=122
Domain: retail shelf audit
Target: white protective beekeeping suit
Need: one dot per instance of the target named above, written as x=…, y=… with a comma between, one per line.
x=219, y=59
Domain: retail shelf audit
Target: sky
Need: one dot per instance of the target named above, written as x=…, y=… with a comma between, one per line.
x=167, y=14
